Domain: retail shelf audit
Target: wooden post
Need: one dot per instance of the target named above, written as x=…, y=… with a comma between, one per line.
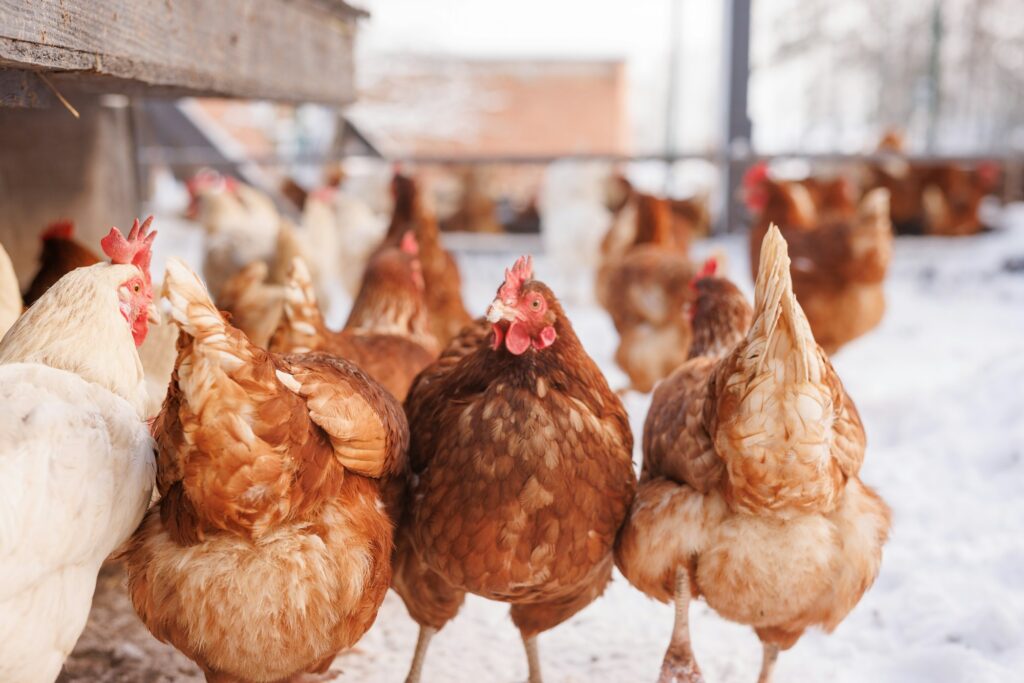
x=55, y=166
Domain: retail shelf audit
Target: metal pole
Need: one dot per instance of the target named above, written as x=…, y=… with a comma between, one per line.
x=934, y=75
x=671, y=95
x=736, y=44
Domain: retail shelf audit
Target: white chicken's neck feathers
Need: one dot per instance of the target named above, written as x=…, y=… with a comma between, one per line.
x=77, y=326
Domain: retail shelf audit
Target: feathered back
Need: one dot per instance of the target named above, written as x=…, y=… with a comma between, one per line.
x=777, y=399
x=302, y=324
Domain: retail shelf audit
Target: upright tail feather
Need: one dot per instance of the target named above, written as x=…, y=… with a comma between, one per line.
x=194, y=312
x=775, y=304
x=300, y=304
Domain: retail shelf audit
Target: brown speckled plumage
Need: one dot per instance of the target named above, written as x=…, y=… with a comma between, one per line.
x=750, y=487
x=270, y=549
x=521, y=476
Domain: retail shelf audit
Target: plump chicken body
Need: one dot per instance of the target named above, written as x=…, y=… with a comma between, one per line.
x=521, y=472
x=750, y=495
x=270, y=550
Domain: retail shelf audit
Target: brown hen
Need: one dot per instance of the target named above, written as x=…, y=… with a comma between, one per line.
x=443, y=283
x=270, y=549
x=386, y=334
x=749, y=494
x=60, y=255
x=521, y=473
x=840, y=252
x=642, y=283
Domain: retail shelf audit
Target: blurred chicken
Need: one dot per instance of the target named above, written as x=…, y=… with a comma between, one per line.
x=476, y=211
x=254, y=296
x=441, y=276
x=76, y=457
x=241, y=225
x=952, y=196
x=60, y=255
x=645, y=290
x=840, y=253
x=574, y=221
x=521, y=473
x=10, y=295
x=392, y=359
x=749, y=493
x=270, y=549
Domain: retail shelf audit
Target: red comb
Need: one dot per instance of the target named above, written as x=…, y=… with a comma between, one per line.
x=988, y=172
x=409, y=244
x=707, y=270
x=520, y=272
x=756, y=174
x=137, y=250
x=59, y=230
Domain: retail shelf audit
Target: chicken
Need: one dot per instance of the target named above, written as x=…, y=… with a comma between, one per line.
x=158, y=353
x=952, y=196
x=392, y=358
x=270, y=549
x=10, y=295
x=443, y=284
x=645, y=291
x=521, y=473
x=254, y=303
x=749, y=493
x=840, y=253
x=76, y=457
x=574, y=220
x=241, y=225
x=391, y=298
x=60, y=255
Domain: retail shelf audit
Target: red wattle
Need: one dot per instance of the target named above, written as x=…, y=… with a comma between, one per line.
x=517, y=340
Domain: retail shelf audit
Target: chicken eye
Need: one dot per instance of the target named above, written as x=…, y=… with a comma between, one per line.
x=535, y=304
x=136, y=287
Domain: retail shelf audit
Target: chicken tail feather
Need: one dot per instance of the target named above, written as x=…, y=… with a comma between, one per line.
x=775, y=304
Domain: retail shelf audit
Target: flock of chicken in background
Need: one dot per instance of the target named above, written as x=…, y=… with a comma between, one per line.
x=292, y=489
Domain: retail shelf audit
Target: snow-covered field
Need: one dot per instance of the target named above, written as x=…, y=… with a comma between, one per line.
x=940, y=386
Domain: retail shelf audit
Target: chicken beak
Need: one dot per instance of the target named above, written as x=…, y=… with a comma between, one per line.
x=153, y=314
x=499, y=310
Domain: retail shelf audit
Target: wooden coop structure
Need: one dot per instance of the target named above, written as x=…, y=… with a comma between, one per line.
x=71, y=72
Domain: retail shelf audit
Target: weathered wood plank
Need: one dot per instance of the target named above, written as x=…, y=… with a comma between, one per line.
x=297, y=50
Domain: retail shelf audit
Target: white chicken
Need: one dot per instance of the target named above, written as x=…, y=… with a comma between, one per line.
x=574, y=220
x=76, y=458
x=345, y=231
x=241, y=225
x=10, y=293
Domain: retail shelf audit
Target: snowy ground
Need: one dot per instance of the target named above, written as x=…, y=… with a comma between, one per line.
x=940, y=386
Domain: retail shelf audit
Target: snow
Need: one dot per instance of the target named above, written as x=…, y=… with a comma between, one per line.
x=940, y=387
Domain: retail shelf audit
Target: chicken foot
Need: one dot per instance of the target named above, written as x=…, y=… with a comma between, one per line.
x=679, y=665
x=416, y=668
x=771, y=654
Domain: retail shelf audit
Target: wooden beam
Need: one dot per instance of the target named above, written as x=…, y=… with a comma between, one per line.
x=295, y=51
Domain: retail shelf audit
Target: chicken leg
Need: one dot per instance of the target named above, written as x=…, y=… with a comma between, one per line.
x=679, y=665
x=532, y=659
x=416, y=668
x=771, y=654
